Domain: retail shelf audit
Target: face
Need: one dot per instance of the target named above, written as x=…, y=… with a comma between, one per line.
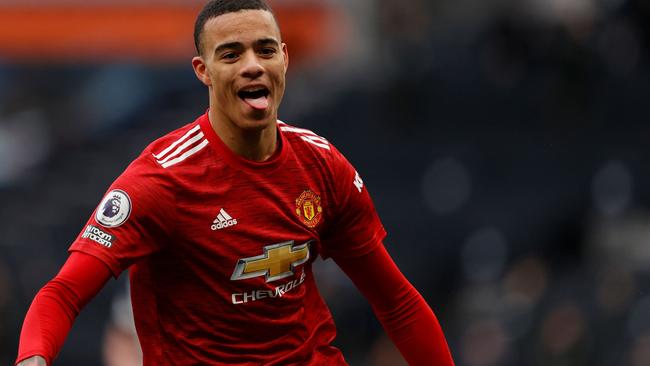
x=243, y=62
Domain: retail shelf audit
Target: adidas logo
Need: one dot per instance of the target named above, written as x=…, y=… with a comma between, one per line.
x=223, y=221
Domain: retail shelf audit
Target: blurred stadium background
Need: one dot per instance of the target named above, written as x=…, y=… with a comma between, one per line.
x=505, y=143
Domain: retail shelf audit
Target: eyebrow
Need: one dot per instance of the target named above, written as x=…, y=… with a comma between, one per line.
x=239, y=45
x=228, y=45
x=265, y=41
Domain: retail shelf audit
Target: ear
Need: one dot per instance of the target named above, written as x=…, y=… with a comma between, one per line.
x=201, y=70
x=285, y=51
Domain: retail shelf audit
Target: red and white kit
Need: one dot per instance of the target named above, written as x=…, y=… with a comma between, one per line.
x=220, y=252
x=222, y=247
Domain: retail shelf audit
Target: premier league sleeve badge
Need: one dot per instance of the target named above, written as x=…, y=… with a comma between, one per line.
x=114, y=209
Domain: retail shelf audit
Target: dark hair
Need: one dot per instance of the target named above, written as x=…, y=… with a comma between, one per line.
x=214, y=8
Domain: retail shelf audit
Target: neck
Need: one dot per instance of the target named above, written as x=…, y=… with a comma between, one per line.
x=256, y=144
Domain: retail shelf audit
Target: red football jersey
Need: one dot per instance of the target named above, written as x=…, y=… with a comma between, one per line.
x=220, y=248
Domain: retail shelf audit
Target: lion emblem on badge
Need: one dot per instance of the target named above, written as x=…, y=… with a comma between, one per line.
x=112, y=207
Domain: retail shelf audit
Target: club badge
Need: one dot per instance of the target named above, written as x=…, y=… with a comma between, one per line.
x=308, y=208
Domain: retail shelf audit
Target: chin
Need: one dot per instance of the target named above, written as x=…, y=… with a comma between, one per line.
x=257, y=123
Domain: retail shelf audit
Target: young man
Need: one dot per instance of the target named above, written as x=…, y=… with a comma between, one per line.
x=219, y=223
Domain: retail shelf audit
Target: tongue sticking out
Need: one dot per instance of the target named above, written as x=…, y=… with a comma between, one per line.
x=259, y=103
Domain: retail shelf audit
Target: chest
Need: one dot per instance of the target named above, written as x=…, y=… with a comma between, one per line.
x=273, y=221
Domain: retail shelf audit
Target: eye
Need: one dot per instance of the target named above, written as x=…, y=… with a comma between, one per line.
x=268, y=51
x=229, y=56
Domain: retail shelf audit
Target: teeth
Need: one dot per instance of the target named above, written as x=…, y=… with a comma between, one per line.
x=253, y=90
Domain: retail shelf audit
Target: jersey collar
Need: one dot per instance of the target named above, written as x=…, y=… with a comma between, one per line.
x=275, y=161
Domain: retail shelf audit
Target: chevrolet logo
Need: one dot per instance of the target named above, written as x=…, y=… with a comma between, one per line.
x=277, y=262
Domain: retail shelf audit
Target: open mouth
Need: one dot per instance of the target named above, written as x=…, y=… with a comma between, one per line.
x=256, y=99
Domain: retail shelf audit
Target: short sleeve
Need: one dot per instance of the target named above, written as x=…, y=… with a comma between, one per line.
x=356, y=228
x=133, y=219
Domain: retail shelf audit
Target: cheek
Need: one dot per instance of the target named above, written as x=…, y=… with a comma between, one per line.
x=279, y=77
x=281, y=84
x=220, y=79
x=222, y=88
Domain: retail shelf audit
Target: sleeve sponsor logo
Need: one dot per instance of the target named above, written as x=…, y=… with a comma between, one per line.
x=114, y=209
x=98, y=236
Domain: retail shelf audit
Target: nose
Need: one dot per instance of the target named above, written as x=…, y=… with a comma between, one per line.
x=251, y=66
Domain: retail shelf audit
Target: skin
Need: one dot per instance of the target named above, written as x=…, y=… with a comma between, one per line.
x=242, y=50
x=33, y=361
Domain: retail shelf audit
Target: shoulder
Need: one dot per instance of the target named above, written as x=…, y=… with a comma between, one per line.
x=309, y=143
x=168, y=156
x=176, y=147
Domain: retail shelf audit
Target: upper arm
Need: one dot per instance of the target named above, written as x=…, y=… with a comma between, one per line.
x=355, y=228
x=133, y=219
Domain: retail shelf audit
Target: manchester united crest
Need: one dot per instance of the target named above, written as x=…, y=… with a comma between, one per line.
x=308, y=208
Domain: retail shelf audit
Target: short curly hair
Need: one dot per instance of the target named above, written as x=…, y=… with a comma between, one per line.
x=214, y=8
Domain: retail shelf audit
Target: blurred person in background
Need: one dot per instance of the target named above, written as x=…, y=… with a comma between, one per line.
x=120, y=345
x=219, y=223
